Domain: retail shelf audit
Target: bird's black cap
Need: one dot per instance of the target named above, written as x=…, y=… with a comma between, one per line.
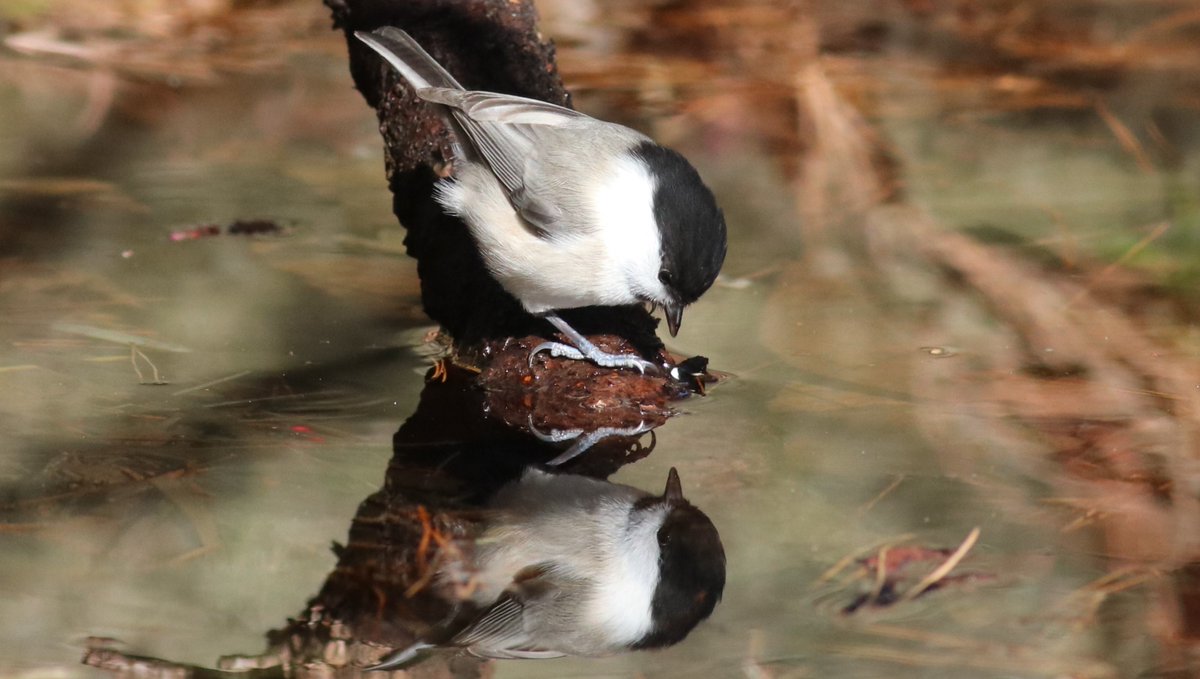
x=691, y=571
x=691, y=225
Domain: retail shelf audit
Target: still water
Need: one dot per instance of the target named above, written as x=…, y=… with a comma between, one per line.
x=190, y=419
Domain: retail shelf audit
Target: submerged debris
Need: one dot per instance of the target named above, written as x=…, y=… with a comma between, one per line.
x=241, y=227
x=894, y=574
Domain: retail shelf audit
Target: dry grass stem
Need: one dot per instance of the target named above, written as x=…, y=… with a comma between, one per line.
x=134, y=354
x=1136, y=249
x=212, y=383
x=943, y=570
x=841, y=564
x=1125, y=137
x=881, y=494
x=880, y=574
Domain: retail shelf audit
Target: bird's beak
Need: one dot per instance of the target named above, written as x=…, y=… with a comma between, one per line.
x=674, y=314
x=674, y=491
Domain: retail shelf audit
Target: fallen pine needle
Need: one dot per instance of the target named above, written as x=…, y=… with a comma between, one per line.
x=947, y=566
x=211, y=383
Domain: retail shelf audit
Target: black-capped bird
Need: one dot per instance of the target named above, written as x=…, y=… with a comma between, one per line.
x=568, y=211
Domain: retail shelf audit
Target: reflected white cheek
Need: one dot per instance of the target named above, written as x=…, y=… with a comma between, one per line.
x=625, y=587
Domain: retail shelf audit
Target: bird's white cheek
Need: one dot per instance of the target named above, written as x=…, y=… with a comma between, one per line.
x=623, y=207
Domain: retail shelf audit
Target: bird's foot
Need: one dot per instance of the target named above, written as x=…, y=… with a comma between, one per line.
x=583, y=441
x=581, y=348
x=400, y=657
x=594, y=354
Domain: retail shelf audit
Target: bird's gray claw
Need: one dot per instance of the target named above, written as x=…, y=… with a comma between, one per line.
x=585, y=441
x=556, y=349
x=643, y=365
x=554, y=435
x=619, y=361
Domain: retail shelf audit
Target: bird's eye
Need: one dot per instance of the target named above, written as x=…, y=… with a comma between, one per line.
x=664, y=276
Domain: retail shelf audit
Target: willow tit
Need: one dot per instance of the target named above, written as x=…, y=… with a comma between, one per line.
x=568, y=211
x=570, y=565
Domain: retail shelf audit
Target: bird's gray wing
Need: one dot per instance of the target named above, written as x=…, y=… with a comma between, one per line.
x=498, y=630
x=507, y=131
x=510, y=134
x=501, y=631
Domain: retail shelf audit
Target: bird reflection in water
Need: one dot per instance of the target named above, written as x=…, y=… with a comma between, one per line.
x=538, y=561
x=571, y=565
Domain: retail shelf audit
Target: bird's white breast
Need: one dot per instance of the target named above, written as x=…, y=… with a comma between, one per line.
x=606, y=251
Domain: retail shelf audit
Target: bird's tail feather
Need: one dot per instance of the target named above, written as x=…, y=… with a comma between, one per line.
x=408, y=57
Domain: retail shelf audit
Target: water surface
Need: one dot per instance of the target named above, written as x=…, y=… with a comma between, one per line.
x=873, y=401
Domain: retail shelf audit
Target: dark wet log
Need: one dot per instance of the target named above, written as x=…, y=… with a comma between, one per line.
x=564, y=394
x=489, y=45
